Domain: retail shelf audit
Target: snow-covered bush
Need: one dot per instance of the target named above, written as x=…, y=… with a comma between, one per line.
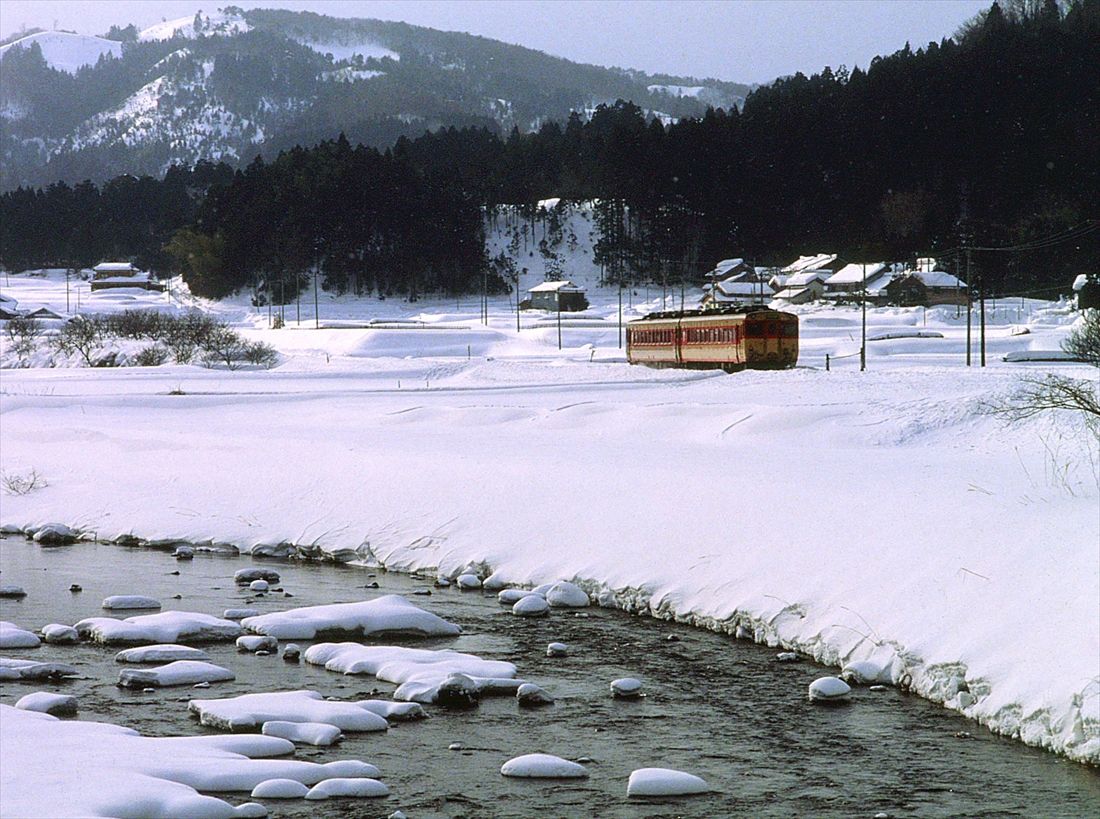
x=152, y=356
x=24, y=332
x=83, y=335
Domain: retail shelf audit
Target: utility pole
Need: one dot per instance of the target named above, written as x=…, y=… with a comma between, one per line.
x=559, y=319
x=863, y=342
x=316, y=311
x=67, y=310
x=620, y=313
x=969, y=306
x=981, y=305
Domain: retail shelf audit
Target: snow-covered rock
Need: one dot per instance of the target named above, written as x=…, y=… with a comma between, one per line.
x=130, y=601
x=309, y=733
x=787, y=657
x=12, y=592
x=253, y=710
x=829, y=689
x=394, y=711
x=184, y=553
x=510, y=597
x=257, y=642
x=543, y=766
x=61, y=768
x=420, y=673
x=389, y=614
x=531, y=605
x=60, y=634
x=358, y=788
x=292, y=652
x=29, y=670
x=279, y=789
x=246, y=576
x=564, y=594
x=468, y=582
x=240, y=614
x=59, y=705
x=626, y=688
x=259, y=586
x=557, y=650
x=456, y=691
x=166, y=627
x=493, y=582
x=664, y=782
x=530, y=694
x=866, y=672
x=164, y=653
x=180, y=672
x=55, y=534
x=11, y=636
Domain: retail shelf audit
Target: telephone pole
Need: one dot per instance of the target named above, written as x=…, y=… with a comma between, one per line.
x=863, y=337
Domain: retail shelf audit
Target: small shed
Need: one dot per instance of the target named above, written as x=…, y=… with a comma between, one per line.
x=927, y=288
x=560, y=295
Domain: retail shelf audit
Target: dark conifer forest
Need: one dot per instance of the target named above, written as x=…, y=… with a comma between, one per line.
x=989, y=139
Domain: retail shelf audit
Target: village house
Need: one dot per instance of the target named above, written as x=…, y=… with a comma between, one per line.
x=560, y=295
x=734, y=282
x=920, y=287
x=851, y=279
x=108, y=275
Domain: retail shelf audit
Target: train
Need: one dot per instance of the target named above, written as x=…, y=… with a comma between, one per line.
x=724, y=338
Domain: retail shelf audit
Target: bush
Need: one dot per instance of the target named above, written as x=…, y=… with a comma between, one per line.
x=82, y=334
x=152, y=356
x=24, y=334
x=263, y=355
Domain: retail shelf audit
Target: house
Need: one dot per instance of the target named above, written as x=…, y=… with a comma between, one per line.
x=730, y=269
x=918, y=287
x=825, y=263
x=109, y=275
x=851, y=278
x=1087, y=289
x=799, y=288
x=560, y=295
x=8, y=312
x=739, y=290
x=43, y=313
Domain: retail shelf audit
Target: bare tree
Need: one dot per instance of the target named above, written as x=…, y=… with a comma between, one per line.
x=1057, y=392
x=24, y=333
x=82, y=335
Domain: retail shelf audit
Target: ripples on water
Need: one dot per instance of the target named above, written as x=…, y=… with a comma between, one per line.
x=722, y=709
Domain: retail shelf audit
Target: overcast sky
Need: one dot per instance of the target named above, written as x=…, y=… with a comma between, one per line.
x=745, y=41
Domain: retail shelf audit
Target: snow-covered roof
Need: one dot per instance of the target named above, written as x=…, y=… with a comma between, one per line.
x=791, y=292
x=742, y=288
x=10, y=302
x=726, y=264
x=809, y=262
x=563, y=286
x=1078, y=283
x=114, y=267
x=854, y=273
x=926, y=264
x=804, y=278
x=878, y=287
x=938, y=278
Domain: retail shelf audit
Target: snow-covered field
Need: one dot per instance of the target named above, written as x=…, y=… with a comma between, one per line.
x=878, y=516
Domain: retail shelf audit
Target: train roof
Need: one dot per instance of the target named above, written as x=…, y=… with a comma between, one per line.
x=724, y=310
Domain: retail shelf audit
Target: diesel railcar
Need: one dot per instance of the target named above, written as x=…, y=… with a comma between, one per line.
x=729, y=338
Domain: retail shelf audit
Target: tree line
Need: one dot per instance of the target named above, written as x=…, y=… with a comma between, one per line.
x=991, y=138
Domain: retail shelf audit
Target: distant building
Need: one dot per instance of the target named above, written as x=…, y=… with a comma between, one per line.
x=799, y=288
x=560, y=295
x=852, y=278
x=1087, y=290
x=925, y=288
x=109, y=275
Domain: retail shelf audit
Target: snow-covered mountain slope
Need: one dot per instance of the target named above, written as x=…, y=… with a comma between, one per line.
x=65, y=51
x=221, y=22
x=229, y=84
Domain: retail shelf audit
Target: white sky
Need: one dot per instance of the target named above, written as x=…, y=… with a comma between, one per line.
x=745, y=41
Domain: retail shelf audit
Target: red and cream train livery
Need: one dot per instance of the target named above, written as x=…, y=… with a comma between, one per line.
x=730, y=339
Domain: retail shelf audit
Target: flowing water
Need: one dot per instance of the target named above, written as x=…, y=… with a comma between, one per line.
x=719, y=708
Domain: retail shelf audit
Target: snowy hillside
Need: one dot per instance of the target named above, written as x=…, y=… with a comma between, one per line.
x=66, y=51
x=218, y=23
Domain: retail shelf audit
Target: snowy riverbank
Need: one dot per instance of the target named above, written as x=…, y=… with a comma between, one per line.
x=877, y=516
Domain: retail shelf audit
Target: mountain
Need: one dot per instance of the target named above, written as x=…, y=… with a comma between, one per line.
x=234, y=84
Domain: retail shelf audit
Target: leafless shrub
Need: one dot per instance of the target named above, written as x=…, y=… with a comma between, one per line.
x=24, y=333
x=21, y=484
x=83, y=335
x=260, y=354
x=151, y=356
